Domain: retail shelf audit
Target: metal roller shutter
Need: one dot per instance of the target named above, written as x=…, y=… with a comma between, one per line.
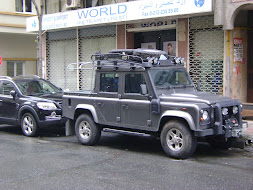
x=206, y=49
x=76, y=46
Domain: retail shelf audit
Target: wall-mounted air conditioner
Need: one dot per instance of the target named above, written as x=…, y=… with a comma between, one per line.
x=72, y=3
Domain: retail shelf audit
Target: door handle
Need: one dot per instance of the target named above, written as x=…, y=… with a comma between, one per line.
x=125, y=107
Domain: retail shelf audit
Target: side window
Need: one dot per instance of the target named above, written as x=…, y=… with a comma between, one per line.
x=7, y=87
x=109, y=82
x=133, y=83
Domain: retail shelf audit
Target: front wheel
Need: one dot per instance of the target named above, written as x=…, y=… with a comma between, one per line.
x=29, y=125
x=178, y=140
x=87, y=131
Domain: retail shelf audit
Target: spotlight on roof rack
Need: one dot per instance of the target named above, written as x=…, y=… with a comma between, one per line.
x=179, y=60
x=152, y=60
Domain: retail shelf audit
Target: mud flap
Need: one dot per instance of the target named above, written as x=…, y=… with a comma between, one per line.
x=240, y=143
x=70, y=128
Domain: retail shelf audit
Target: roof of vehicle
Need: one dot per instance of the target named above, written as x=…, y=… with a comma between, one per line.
x=20, y=77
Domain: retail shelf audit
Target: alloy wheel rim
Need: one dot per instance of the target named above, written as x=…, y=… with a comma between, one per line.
x=28, y=125
x=84, y=130
x=174, y=139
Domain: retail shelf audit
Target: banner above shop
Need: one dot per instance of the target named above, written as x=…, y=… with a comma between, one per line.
x=121, y=12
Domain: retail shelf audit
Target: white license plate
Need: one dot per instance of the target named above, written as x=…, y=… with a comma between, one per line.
x=236, y=132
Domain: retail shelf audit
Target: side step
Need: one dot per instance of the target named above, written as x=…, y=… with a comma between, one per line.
x=125, y=132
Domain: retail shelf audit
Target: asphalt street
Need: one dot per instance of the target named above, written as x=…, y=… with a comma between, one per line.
x=53, y=161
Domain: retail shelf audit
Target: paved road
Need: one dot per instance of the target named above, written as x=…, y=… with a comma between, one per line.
x=53, y=161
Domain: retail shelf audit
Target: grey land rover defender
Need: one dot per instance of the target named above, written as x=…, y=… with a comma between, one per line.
x=149, y=92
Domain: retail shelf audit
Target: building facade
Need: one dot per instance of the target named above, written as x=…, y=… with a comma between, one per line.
x=18, y=49
x=214, y=37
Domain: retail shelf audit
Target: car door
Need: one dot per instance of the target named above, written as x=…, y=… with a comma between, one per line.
x=107, y=103
x=8, y=113
x=135, y=107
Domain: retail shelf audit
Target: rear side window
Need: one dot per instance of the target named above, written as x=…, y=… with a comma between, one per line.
x=7, y=87
x=109, y=82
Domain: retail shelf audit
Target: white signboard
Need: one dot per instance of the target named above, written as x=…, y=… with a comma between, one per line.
x=121, y=12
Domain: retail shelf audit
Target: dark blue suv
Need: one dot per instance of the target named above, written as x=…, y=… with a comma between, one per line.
x=30, y=102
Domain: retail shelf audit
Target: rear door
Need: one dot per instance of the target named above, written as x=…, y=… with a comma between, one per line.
x=8, y=111
x=107, y=103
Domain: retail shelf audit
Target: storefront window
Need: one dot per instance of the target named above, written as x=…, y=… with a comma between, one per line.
x=163, y=40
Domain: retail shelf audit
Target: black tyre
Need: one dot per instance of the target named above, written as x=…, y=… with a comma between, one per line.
x=87, y=131
x=29, y=125
x=178, y=140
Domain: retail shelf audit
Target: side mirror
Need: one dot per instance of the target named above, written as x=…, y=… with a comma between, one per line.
x=13, y=94
x=144, y=90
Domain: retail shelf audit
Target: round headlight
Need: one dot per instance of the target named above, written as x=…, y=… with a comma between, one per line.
x=224, y=111
x=205, y=115
x=235, y=110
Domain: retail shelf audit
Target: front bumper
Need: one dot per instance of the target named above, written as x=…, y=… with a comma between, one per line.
x=52, y=121
x=47, y=118
x=229, y=130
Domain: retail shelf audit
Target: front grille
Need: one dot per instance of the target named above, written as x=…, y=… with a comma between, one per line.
x=219, y=117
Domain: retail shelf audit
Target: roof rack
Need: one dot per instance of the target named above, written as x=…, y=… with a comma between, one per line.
x=5, y=77
x=131, y=58
x=118, y=60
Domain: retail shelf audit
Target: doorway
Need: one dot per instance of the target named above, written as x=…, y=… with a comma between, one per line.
x=250, y=58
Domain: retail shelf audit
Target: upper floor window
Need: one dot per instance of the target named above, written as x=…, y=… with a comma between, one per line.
x=14, y=68
x=24, y=6
x=94, y=3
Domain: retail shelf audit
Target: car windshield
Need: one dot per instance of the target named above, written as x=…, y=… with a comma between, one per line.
x=37, y=87
x=170, y=77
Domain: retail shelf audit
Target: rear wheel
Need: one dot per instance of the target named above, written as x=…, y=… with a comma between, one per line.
x=87, y=131
x=178, y=140
x=29, y=125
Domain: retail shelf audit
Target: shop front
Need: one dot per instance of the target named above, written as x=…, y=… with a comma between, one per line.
x=73, y=36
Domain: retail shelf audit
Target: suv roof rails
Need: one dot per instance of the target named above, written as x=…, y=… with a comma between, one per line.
x=5, y=77
x=27, y=76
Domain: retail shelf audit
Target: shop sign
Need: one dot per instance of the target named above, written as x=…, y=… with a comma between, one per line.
x=121, y=12
x=151, y=25
x=238, y=50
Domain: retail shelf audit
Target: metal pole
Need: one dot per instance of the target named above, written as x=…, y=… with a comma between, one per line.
x=40, y=12
x=77, y=58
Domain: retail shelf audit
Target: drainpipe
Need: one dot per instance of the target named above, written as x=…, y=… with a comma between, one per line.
x=228, y=63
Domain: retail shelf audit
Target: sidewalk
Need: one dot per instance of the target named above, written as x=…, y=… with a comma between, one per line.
x=248, y=133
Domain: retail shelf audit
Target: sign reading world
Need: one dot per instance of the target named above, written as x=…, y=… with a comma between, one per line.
x=122, y=12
